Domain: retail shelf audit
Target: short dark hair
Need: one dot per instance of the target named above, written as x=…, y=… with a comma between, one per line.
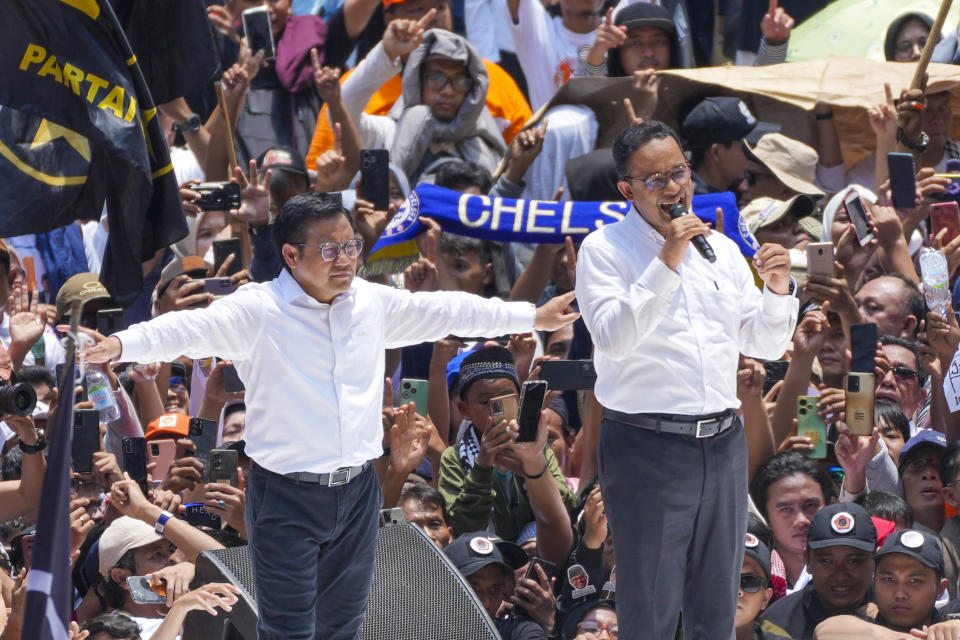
x=949, y=463
x=35, y=374
x=786, y=464
x=425, y=493
x=290, y=225
x=885, y=505
x=890, y=414
x=5, y=261
x=460, y=176
x=697, y=154
x=914, y=348
x=636, y=136
x=284, y=182
x=12, y=464
x=115, y=623
x=113, y=593
x=758, y=528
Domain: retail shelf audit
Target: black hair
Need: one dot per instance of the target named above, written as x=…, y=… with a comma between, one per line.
x=290, y=225
x=913, y=346
x=949, y=463
x=5, y=261
x=34, y=374
x=424, y=493
x=885, y=505
x=697, y=154
x=757, y=527
x=786, y=464
x=228, y=537
x=115, y=623
x=77, y=574
x=284, y=183
x=113, y=593
x=233, y=408
x=485, y=250
x=890, y=414
x=460, y=176
x=636, y=136
x=12, y=463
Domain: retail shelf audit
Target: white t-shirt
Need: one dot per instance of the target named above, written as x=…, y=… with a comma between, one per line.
x=546, y=49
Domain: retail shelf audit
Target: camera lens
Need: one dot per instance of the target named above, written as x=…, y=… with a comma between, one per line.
x=802, y=412
x=17, y=399
x=853, y=384
x=154, y=450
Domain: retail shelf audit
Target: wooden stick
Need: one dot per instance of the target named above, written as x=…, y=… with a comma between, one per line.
x=238, y=230
x=931, y=43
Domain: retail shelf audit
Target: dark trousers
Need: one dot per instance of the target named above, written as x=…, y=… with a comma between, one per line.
x=677, y=508
x=312, y=551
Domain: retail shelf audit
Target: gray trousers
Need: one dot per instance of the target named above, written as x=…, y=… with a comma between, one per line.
x=677, y=508
x=312, y=549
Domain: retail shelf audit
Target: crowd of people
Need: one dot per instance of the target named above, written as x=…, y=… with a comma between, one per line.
x=683, y=471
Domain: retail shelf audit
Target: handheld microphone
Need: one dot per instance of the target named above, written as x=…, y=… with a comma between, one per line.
x=676, y=210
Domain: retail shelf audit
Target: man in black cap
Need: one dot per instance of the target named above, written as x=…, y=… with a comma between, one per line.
x=714, y=131
x=488, y=563
x=289, y=175
x=840, y=546
x=755, y=594
x=644, y=37
x=488, y=477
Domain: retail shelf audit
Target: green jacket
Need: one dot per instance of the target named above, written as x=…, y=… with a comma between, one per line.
x=471, y=496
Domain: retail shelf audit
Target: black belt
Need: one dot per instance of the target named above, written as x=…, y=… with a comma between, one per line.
x=336, y=478
x=697, y=426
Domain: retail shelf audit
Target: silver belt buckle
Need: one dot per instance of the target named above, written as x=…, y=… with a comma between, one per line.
x=339, y=477
x=700, y=424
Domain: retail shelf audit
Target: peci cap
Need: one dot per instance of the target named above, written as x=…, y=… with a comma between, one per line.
x=283, y=159
x=717, y=120
x=173, y=425
x=471, y=552
x=193, y=266
x=916, y=544
x=766, y=212
x=925, y=439
x=755, y=549
x=842, y=524
x=791, y=161
x=485, y=363
x=85, y=287
x=123, y=534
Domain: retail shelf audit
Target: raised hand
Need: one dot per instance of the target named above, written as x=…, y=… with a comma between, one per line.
x=254, y=196
x=330, y=164
x=556, y=313
x=524, y=149
x=326, y=79
x=646, y=87
x=595, y=520
x=223, y=21
x=26, y=322
x=407, y=440
x=772, y=262
x=609, y=36
x=187, y=198
x=883, y=117
x=776, y=24
x=403, y=36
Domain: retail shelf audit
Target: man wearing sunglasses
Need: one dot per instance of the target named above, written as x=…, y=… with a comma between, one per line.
x=755, y=594
x=309, y=346
x=903, y=382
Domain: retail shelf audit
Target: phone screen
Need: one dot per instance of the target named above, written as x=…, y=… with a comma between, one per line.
x=858, y=216
x=259, y=32
x=531, y=403
x=863, y=347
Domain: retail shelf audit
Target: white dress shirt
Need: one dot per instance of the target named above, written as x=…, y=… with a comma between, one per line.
x=314, y=372
x=669, y=341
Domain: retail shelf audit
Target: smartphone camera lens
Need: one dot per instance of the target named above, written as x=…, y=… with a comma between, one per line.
x=853, y=384
x=406, y=385
x=802, y=412
x=154, y=450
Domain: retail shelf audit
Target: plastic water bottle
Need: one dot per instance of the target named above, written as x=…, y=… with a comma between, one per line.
x=936, y=280
x=101, y=395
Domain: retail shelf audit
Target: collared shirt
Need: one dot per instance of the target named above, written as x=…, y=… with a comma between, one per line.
x=799, y=613
x=314, y=372
x=669, y=341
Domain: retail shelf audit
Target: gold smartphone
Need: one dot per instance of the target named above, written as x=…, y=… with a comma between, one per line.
x=859, y=404
x=504, y=408
x=820, y=259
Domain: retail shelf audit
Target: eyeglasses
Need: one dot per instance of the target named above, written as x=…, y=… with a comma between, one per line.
x=904, y=374
x=330, y=251
x=657, y=181
x=918, y=465
x=594, y=627
x=437, y=81
x=907, y=46
x=750, y=583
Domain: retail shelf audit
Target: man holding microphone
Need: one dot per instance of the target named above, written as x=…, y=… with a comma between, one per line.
x=668, y=326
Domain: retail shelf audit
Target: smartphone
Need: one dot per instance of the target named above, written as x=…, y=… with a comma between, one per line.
x=26, y=548
x=504, y=408
x=231, y=380
x=548, y=567
x=203, y=433
x=858, y=216
x=144, y=590
x=109, y=321
x=903, y=180
x=945, y=215
x=195, y=514
x=223, y=466
x=415, y=391
x=859, y=404
x=776, y=371
x=224, y=248
x=568, y=375
x=218, y=196
x=259, y=32
x=863, y=347
x=809, y=424
x=531, y=404
x=820, y=259
x=162, y=453
x=375, y=177
x=86, y=439
x=219, y=287
x=390, y=517
x=135, y=461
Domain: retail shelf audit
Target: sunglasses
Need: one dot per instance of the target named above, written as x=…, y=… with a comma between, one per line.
x=904, y=374
x=750, y=583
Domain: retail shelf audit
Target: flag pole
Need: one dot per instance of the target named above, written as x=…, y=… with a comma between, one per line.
x=239, y=230
x=932, y=39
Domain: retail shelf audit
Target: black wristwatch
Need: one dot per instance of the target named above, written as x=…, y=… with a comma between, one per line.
x=914, y=145
x=33, y=448
x=190, y=125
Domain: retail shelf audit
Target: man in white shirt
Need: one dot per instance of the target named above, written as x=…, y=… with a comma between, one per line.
x=668, y=328
x=309, y=346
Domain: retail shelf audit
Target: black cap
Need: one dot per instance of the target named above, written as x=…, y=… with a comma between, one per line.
x=644, y=14
x=282, y=159
x=842, y=524
x=717, y=120
x=488, y=362
x=580, y=612
x=474, y=551
x=759, y=552
x=916, y=544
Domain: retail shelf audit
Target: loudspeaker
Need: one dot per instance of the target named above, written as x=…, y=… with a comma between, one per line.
x=417, y=594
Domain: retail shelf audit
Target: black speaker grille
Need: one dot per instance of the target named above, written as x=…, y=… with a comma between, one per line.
x=237, y=562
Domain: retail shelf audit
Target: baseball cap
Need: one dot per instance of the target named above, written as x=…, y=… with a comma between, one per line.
x=791, y=161
x=916, y=544
x=193, y=266
x=85, y=287
x=842, y=524
x=925, y=438
x=175, y=425
x=473, y=551
x=765, y=212
x=123, y=534
x=644, y=14
x=283, y=159
x=488, y=362
x=717, y=120
x=755, y=549
x=578, y=613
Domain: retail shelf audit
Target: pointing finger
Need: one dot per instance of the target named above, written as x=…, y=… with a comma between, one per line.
x=315, y=59
x=337, y=139
x=427, y=19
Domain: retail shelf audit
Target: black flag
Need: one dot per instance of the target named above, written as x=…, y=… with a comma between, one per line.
x=78, y=125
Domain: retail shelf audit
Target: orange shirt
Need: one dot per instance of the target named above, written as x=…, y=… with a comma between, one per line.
x=504, y=100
